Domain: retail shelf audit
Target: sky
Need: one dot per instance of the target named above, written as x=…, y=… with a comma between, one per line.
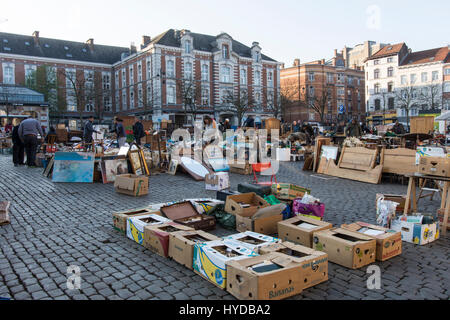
x=285, y=29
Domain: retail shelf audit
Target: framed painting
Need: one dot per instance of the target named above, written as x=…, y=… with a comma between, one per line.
x=113, y=166
x=73, y=167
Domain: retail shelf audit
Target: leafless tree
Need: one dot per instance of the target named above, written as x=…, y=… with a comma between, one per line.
x=318, y=102
x=289, y=95
x=240, y=103
x=431, y=95
x=189, y=92
x=76, y=89
x=406, y=98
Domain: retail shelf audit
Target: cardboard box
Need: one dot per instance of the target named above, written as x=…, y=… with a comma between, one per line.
x=136, y=225
x=244, y=204
x=4, y=212
x=314, y=264
x=300, y=230
x=389, y=242
x=156, y=237
x=211, y=259
x=273, y=276
x=346, y=248
x=251, y=240
x=262, y=221
x=434, y=166
x=131, y=184
x=416, y=233
x=120, y=218
x=244, y=169
x=181, y=245
x=185, y=213
x=287, y=191
x=217, y=181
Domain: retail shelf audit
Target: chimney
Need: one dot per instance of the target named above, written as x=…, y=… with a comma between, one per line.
x=335, y=52
x=254, y=44
x=296, y=62
x=323, y=61
x=36, y=38
x=145, y=41
x=132, y=48
x=90, y=43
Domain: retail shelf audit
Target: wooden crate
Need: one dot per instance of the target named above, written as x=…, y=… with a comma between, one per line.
x=422, y=124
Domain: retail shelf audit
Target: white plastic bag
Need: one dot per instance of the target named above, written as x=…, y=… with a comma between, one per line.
x=309, y=199
x=385, y=212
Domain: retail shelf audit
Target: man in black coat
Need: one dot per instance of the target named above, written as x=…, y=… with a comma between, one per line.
x=138, y=131
x=88, y=131
x=18, y=148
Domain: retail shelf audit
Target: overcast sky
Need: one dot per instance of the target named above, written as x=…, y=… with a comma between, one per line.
x=285, y=29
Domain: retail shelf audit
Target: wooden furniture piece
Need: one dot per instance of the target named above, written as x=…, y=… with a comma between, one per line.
x=411, y=196
x=422, y=125
x=399, y=161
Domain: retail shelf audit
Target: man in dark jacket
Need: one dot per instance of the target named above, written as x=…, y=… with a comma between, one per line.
x=119, y=129
x=29, y=130
x=138, y=131
x=88, y=131
x=398, y=128
x=250, y=122
x=353, y=129
x=18, y=148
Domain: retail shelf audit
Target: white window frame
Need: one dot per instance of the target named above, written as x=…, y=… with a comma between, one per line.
x=225, y=73
x=171, y=94
x=435, y=76
x=270, y=78
x=257, y=80
x=205, y=96
x=205, y=72
x=170, y=72
x=131, y=71
x=188, y=67
x=424, y=77
x=243, y=76
x=11, y=77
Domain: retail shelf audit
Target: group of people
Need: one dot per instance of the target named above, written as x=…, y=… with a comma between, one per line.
x=26, y=137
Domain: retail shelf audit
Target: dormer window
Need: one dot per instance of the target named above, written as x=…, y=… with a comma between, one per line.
x=225, y=52
x=257, y=56
x=187, y=47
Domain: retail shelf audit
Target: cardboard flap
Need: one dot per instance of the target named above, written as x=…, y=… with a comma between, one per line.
x=269, y=211
x=179, y=210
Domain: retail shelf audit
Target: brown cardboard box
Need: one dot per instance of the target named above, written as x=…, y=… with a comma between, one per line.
x=300, y=230
x=313, y=263
x=244, y=169
x=131, y=184
x=389, y=242
x=156, y=238
x=283, y=281
x=185, y=213
x=262, y=221
x=346, y=248
x=287, y=191
x=4, y=212
x=435, y=166
x=181, y=245
x=120, y=218
x=233, y=204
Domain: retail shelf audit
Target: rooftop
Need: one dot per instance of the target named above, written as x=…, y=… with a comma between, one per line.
x=17, y=94
x=432, y=55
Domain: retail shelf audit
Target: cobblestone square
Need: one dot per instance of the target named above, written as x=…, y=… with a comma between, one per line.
x=54, y=226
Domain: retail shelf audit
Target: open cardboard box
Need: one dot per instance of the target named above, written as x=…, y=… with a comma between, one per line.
x=181, y=245
x=288, y=191
x=136, y=225
x=314, y=263
x=132, y=185
x=120, y=218
x=217, y=181
x=244, y=204
x=156, y=237
x=186, y=214
x=211, y=259
x=389, y=242
x=273, y=276
x=251, y=240
x=346, y=248
x=415, y=232
x=300, y=230
x=262, y=221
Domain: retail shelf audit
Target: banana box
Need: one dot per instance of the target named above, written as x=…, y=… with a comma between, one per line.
x=252, y=240
x=210, y=259
x=136, y=225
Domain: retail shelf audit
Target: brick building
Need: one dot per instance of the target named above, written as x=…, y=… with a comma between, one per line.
x=323, y=88
x=92, y=79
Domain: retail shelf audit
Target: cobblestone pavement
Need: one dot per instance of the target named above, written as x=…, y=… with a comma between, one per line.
x=57, y=225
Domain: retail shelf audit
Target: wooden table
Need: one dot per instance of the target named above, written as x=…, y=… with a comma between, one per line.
x=411, y=195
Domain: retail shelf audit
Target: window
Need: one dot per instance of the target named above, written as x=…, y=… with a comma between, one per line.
x=330, y=77
x=391, y=102
x=139, y=72
x=270, y=98
x=340, y=77
x=187, y=47
x=89, y=106
x=205, y=72
x=124, y=78
x=257, y=56
x=258, y=98
x=270, y=79
x=390, y=72
x=171, y=94
x=447, y=86
x=8, y=74
x=170, y=69
x=243, y=77
x=226, y=74
x=205, y=97
x=377, y=88
x=116, y=80
x=424, y=77
x=447, y=71
x=412, y=78
x=435, y=76
x=188, y=70
x=376, y=62
x=311, y=91
x=340, y=92
x=30, y=78
x=225, y=52
x=131, y=76
x=149, y=95
x=350, y=80
x=390, y=60
x=106, y=81
x=131, y=98
x=390, y=87
x=376, y=74
x=257, y=78
x=124, y=100
x=377, y=104
x=403, y=79
x=148, y=70
x=107, y=103
x=311, y=76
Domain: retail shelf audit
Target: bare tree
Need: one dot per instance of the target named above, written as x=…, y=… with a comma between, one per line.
x=406, y=98
x=385, y=96
x=189, y=92
x=431, y=95
x=289, y=94
x=148, y=100
x=318, y=102
x=76, y=89
x=7, y=98
x=240, y=103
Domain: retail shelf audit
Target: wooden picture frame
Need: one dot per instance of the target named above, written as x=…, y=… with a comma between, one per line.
x=173, y=166
x=135, y=160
